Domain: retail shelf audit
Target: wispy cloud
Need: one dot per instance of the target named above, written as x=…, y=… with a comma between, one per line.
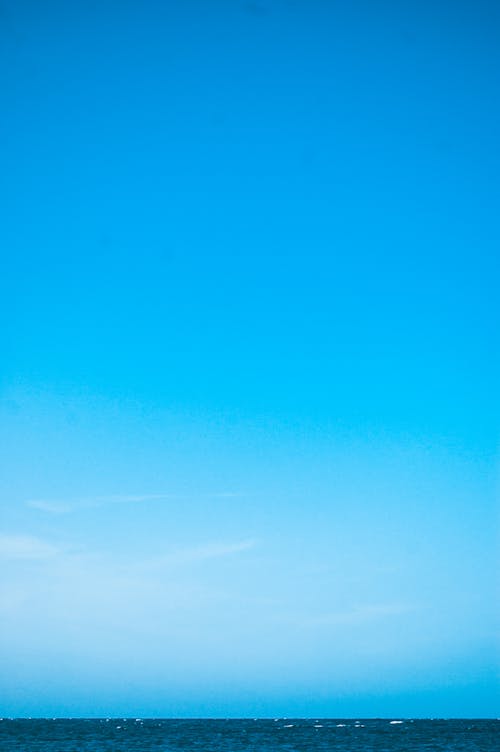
x=53, y=506
x=28, y=547
x=25, y=547
x=195, y=554
x=361, y=614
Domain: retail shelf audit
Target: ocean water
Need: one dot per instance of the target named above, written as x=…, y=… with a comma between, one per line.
x=297, y=735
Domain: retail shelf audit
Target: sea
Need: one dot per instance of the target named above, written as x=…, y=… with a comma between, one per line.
x=262, y=735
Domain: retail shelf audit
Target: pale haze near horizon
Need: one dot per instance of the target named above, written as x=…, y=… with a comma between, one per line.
x=249, y=413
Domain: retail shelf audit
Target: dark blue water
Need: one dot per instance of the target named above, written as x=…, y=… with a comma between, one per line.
x=147, y=735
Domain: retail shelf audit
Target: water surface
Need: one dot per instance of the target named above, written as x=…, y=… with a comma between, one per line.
x=300, y=735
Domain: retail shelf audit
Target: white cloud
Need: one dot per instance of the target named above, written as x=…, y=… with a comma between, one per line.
x=52, y=506
x=129, y=498
x=192, y=555
x=362, y=614
x=25, y=547
x=61, y=507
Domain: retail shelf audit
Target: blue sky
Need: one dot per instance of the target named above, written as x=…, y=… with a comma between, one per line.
x=249, y=414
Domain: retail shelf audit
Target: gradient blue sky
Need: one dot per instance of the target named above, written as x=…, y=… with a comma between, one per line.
x=249, y=415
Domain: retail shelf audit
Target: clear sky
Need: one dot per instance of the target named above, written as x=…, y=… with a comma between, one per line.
x=249, y=377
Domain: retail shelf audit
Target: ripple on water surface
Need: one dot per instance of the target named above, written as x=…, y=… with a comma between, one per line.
x=231, y=735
